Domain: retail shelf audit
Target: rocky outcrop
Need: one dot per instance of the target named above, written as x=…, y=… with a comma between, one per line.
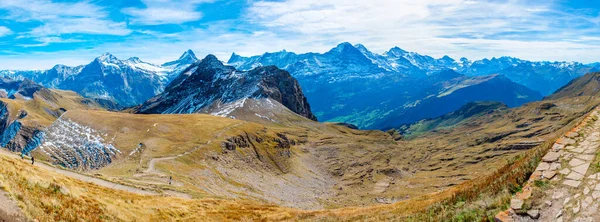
x=208, y=86
x=13, y=134
x=76, y=146
x=270, y=150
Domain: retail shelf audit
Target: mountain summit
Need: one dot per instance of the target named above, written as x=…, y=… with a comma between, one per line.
x=209, y=86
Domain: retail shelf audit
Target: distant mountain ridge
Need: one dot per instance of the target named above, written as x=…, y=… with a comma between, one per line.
x=351, y=84
x=545, y=77
x=127, y=82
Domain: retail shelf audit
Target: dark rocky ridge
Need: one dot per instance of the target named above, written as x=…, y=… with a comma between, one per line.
x=211, y=82
x=587, y=85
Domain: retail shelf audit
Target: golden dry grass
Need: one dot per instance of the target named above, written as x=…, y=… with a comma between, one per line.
x=48, y=196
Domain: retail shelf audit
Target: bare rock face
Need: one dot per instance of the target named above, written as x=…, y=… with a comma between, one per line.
x=271, y=150
x=209, y=82
x=76, y=146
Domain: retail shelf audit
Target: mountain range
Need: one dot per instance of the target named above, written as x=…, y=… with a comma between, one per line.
x=347, y=84
x=545, y=77
x=125, y=82
x=351, y=84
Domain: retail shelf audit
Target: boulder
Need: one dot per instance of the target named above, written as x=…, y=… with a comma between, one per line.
x=516, y=204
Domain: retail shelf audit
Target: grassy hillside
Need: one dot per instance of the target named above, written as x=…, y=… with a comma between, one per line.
x=285, y=167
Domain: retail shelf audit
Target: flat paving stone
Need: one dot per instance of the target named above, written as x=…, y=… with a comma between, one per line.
x=568, y=141
x=584, y=143
x=572, y=183
x=575, y=162
x=549, y=174
x=543, y=166
x=581, y=169
x=554, y=166
x=575, y=176
x=585, y=157
x=578, y=150
x=551, y=157
x=596, y=194
x=590, y=151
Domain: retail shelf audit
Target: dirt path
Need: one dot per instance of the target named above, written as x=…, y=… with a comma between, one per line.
x=151, y=164
x=568, y=188
x=97, y=181
x=9, y=210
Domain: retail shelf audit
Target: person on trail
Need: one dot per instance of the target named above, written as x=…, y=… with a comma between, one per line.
x=170, y=180
x=32, y=160
x=22, y=156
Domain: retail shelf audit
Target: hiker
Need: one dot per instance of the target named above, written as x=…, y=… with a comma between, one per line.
x=170, y=179
x=22, y=156
x=32, y=160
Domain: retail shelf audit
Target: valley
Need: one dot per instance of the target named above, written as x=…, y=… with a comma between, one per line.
x=221, y=138
x=299, y=110
x=288, y=161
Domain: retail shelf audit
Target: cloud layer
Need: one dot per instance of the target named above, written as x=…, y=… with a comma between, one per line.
x=160, y=30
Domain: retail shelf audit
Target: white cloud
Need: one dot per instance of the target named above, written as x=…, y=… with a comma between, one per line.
x=165, y=12
x=60, y=18
x=5, y=31
x=473, y=29
x=81, y=26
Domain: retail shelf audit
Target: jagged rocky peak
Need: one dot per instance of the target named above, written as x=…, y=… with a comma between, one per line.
x=188, y=55
x=211, y=61
x=235, y=58
x=213, y=87
x=180, y=65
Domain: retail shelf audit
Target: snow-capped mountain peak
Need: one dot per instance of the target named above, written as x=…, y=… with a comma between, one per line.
x=107, y=57
x=127, y=82
x=188, y=56
x=134, y=60
x=343, y=47
x=211, y=61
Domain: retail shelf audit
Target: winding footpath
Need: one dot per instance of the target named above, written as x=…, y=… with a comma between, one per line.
x=151, y=164
x=567, y=187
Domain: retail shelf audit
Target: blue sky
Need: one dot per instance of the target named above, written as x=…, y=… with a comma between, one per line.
x=36, y=34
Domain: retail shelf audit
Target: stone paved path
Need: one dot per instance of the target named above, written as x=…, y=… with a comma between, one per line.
x=573, y=190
